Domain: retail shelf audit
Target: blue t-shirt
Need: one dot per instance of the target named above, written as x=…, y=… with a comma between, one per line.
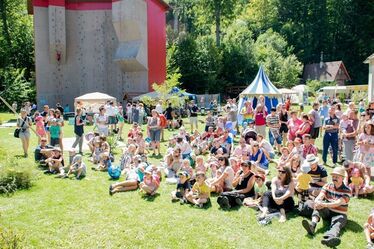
x=55, y=131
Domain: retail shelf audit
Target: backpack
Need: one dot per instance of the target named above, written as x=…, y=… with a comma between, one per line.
x=163, y=121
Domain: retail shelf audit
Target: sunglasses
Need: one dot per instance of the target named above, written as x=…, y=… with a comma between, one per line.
x=282, y=171
x=221, y=159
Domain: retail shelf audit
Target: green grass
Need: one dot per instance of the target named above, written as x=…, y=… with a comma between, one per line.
x=62, y=213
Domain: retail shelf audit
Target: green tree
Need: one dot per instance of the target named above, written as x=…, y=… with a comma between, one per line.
x=273, y=53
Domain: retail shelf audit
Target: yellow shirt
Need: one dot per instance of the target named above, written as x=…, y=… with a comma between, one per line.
x=245, y=114
x=201, y=189
x=303, y=181
x=357, y=181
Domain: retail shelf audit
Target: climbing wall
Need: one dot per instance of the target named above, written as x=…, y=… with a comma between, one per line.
x=80, y=50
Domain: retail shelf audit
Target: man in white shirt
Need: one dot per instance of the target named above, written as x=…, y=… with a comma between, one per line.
x=159, y=108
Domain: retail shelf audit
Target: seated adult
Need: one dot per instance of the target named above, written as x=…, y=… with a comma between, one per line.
x=224, y=177
x=331, y=204
x=184, y=146
x=258, y=156
x=42, y=151
x=364, y=174
x=243, y=183
x=216, y=146
x=242, y=150
x=279, y=199
x=173, y=163
x=266, y=146
x=318, y=174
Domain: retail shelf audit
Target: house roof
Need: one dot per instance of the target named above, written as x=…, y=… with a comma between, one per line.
x=370, y=58
x=328, y=72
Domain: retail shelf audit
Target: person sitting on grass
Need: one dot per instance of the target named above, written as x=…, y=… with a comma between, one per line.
x=183, y=187
x=150, y=183
x=303, y=180
x=279, y=199
x=331, y=204
x=243, y=183
x=369, y=230
x=104, y=163
x=56, y=162
x=173, y=163
x=78, y=167
x=350, y=167
x=200, y=193
x=318, y=174
x=224, y=179
x=260, y=189
x=257, y=155
x=200, y=166
x=42, y=151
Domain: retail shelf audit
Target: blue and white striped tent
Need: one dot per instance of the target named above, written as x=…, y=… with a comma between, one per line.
x=261, y=85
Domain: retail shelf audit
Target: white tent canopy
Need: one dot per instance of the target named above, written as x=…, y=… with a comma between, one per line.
x=92, y=101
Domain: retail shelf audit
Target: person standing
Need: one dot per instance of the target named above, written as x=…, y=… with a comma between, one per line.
x=331, y=137
x=193, y=115
x=315, y=121
x=273, y=122
x=78, y=130
x=332, y=205
x=24, y=123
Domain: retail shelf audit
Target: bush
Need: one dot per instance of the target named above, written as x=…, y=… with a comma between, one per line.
x=13, y=175
x=10, y=240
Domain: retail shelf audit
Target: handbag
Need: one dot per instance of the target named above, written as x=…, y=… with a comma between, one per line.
x=18, y=130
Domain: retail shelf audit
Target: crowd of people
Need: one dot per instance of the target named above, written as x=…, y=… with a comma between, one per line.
x=206, y=160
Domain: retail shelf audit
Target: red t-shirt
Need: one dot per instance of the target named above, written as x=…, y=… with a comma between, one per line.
x=260, y=118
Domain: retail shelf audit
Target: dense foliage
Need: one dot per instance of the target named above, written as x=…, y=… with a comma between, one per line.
x=281, y=35
x=16, y=52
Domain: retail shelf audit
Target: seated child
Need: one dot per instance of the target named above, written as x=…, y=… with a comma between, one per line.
x=200, y=193
x=78, y=167
x=303, y=180
x=186, y=166
x=200, y=166
x=56, y=162
x=260, y=189
x=150, y=183
x=369, y=230
x=104, y=163
x=357, y=182
x=183, y=187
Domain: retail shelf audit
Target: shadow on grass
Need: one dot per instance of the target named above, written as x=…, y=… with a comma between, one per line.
x=150, y=197
x=19, y=156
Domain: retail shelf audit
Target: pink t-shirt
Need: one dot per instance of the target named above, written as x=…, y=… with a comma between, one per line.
x=294, y=126
x=260, y=118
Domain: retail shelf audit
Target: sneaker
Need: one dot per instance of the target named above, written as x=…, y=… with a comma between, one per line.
x=225, y=203
x=200, y=205
x=219, y=200
x=238, y=201
x=182, y=201
x=330, y=241
x=110, y=190
x=308, y=227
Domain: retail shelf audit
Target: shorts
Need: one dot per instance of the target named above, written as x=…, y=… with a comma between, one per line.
x=24, y=135
x=193, y=121
x=103, y=130
x=55, y=141
x=283, y=129
x=314, y=133
x=155, y=135
x=112, y=120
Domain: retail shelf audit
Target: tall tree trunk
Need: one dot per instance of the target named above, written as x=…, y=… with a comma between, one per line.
x=218, y=22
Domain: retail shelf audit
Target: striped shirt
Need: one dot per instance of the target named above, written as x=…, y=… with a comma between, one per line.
x=333, y=194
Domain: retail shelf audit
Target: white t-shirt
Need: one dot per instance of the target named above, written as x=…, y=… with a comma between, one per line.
x=101, y=118
x=159, y=108
x=230, y=177
x=110, y=110
x=267, y=146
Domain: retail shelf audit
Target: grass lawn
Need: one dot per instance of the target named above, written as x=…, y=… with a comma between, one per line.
x=63, y=213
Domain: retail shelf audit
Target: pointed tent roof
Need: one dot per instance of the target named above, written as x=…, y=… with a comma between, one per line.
x=261, y=85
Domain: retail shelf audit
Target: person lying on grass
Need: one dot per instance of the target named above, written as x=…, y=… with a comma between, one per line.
x=150, y=183
x=55, y=162
x=78, y=167
x=200, y=193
